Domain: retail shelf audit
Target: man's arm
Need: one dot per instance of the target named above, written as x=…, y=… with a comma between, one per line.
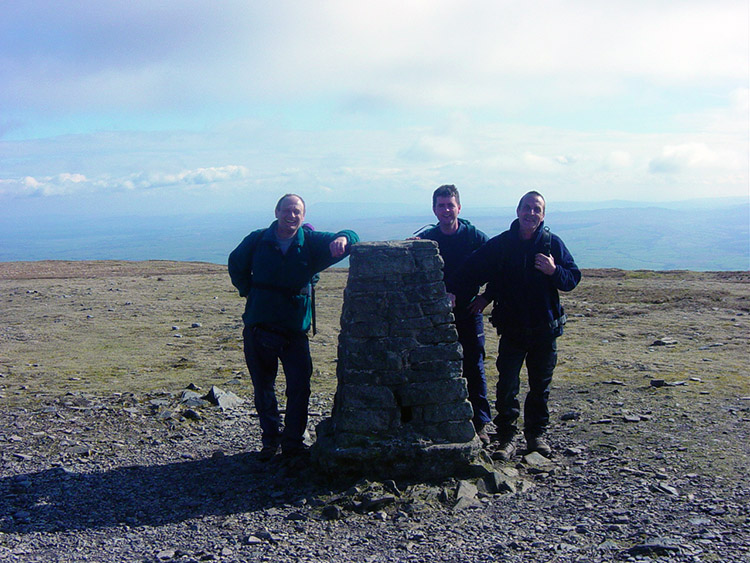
x=477, y=269
x=240, y=263
x=566, y=274
x=330, y=248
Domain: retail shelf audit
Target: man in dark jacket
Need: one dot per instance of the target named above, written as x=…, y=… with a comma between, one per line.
x=457, y=239
x=524, y=269
x=273, y=268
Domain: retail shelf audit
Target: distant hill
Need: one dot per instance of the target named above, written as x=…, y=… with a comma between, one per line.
x=703, y=236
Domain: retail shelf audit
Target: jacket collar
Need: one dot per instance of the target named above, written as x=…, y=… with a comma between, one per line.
x=270, y=235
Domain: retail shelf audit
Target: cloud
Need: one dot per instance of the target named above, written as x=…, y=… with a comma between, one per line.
x=74, y=183
x=545, y=163
x=434, y=147
x=618, y=159
x=678, y=158
x=480, y=54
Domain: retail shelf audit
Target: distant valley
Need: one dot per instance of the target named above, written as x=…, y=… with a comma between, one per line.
x=702, y=236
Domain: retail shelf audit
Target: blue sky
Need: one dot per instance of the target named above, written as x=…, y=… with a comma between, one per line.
x=152, y=107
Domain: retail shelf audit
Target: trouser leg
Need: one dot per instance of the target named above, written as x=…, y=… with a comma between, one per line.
x=471, y=336
x=510, y=357
x=540, y=363
x=261, y=356
x=298, y=370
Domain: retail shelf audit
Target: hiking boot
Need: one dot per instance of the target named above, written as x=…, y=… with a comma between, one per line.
x=538, y=444
x=505, y=451
x=483, y=436
x=267, y=452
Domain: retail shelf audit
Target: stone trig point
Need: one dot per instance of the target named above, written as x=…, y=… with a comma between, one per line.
x=401, y=407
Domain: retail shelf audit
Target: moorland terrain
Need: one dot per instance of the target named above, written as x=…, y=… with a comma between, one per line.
x=101, y=461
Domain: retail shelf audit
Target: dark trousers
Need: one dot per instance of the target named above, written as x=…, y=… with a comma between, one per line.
x=471, y=336
x=540, y=355
x=263, y=351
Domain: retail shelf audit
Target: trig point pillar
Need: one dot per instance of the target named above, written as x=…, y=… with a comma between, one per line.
x=401, y=408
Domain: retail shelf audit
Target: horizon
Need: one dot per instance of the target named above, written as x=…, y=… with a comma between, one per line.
x=700, y=235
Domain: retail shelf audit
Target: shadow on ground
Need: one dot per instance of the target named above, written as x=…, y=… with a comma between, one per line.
x=58, y=499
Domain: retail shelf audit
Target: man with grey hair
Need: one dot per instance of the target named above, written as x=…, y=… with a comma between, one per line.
x=274, y=268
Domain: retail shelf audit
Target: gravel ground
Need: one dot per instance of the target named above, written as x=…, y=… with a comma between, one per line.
x=128, y=478
x=101, y=461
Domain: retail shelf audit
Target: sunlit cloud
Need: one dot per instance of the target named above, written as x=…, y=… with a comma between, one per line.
x=677, y=158
x=72, y=183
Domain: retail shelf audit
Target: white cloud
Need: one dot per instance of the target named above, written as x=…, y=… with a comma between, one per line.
x=434, y=147
x=439, y=53
x=74, y=183
x=678, y=158
x=618, y=159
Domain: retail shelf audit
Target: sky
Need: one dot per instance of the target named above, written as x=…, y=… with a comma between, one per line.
x=143, y=107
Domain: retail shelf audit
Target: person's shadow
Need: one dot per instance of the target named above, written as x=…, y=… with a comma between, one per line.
x=57, y=499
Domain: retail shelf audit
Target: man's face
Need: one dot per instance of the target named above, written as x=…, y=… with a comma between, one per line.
x=446, y=210
x=291, y=215
x=530, y=213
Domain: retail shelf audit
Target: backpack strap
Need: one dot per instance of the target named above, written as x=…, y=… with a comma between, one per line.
x=546, y=241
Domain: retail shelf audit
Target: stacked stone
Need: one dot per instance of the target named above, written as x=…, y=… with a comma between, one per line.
x=401, y=406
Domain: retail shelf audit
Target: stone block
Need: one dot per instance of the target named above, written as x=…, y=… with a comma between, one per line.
x=438, y=334
x=440, y=352
x=431, y=393
x=361, y=396
x=449, y=432
x=436, y=307
x=434, y=371
x=458, y=411
x=366, y=421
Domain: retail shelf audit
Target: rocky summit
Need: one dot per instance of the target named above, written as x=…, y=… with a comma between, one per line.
x=121, y=442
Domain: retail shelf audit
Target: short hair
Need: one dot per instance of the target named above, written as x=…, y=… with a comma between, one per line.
x=535, y=194
x=278, y=204
x=446, y=190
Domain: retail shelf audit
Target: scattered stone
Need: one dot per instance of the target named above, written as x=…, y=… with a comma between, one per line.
x=536, y=463
x=196, y=325
x=664, y=342
x=466, y=489
x=223, y=399
x=190, y=414
x=664, y=488
x=571, y=415
x=714, y=345
x=656, y=547
x=332, y=512
x=658, y=383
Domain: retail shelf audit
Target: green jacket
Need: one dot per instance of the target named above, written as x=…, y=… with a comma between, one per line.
x=277, y=286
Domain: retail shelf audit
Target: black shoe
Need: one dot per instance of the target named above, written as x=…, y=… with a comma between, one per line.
x=538, y=444
x=267, y=452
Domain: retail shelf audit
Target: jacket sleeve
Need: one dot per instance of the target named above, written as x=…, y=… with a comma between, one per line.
x=241, y=263
x=567, y=275
x=320, y=242
x=476, y=270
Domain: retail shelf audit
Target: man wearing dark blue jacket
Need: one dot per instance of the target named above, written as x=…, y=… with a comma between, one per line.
x=274, y=268
x=457, y=239
x=524, y=267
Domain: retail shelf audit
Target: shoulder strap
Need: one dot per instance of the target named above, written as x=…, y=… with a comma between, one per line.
x=546, y=241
